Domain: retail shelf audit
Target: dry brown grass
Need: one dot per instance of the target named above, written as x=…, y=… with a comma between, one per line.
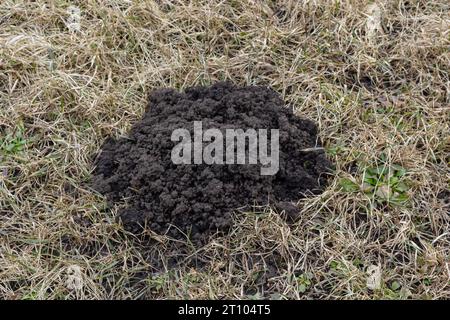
x=375, y=78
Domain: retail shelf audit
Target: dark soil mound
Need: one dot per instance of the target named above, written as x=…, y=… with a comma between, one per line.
x=199, y=198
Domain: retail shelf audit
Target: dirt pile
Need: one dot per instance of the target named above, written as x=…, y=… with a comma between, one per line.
x=198, y=199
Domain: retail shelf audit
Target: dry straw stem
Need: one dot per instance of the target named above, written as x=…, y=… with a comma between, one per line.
x=373, y=75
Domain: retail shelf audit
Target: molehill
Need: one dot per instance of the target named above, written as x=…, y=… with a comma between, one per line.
x=198, y=199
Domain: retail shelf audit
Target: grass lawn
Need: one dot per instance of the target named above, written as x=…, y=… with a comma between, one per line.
x=373, y=75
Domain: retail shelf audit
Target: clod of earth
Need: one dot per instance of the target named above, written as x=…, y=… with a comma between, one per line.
x=198, y=199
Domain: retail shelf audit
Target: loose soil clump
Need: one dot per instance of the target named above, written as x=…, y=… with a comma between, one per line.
x=198, y=199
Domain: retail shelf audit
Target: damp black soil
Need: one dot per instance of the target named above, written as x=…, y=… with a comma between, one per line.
x=198, y=199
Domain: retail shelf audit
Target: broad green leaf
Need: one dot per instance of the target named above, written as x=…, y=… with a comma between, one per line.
x=302, y=288
x=395, y=286
x=401, y=187
x=348, y=185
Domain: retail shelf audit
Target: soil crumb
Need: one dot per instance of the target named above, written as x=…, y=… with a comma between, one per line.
x=198, y=199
